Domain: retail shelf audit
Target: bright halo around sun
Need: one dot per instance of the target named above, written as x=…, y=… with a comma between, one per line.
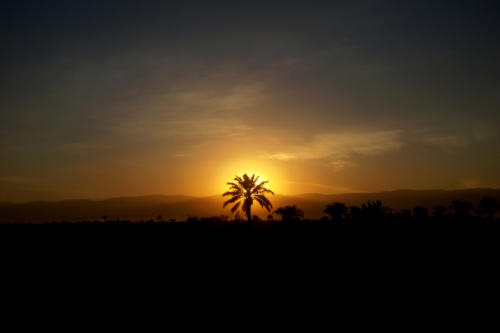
x=264, y=170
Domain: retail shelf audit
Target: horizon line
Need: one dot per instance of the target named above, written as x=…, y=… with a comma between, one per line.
x=216, y=195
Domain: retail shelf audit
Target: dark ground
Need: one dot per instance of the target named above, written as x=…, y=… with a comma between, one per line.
x=345, y=265
x=414, y=236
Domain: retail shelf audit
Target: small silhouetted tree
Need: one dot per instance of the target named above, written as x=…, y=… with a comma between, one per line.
x=487, y=206
x=193, y=219
x=243, y=191
x=336, y=210
x=374, y=210
x=290, y=213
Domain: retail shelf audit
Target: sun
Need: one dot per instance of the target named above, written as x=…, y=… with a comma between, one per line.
x=264, y=170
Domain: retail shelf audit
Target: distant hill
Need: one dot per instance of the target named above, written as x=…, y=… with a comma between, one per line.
x=143, y=207
x=180, y=207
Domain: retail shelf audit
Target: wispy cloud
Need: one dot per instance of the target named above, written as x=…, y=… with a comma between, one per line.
x=207, y=128
x=340, y=148
x=219, y=99
x=317, y=186
x=203, y=112
x=446, y=141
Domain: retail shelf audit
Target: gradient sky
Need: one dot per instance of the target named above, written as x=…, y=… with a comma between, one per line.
x=118, y=98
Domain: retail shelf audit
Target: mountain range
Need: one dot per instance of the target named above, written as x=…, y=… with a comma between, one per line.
x=180, y=207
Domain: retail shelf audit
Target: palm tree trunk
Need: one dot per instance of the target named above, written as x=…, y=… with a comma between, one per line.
x=249, y=216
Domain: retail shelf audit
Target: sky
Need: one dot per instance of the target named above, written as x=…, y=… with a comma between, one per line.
x=118, y=98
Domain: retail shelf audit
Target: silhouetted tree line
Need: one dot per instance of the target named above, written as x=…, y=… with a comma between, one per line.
x=457, y=211
x=375, y=212
x=370, y=213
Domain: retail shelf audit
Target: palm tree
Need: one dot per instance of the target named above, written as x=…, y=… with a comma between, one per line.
x=336, y=210
x=290, y=213
x=374, y=210
x=243, y=191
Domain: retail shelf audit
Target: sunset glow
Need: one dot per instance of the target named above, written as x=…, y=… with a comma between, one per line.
x=104, y=99
x=265, y=172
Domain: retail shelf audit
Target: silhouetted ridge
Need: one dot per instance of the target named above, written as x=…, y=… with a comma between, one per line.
x=181, y=207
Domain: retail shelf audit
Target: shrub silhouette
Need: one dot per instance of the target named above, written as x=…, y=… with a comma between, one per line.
x=461, y=208
x=237, y=217
x=420, y=213
x=193, y=219
x=290, y=213
x=439, y=211
x=245, y=190
x=487, y=206
x=255, y=218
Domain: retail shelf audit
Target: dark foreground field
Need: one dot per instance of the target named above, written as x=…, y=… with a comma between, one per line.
x=369, y=257
x=415, y=235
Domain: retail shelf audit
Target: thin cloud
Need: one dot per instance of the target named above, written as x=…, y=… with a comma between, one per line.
x=340, y=148
x=203, y=112
x=446, y=141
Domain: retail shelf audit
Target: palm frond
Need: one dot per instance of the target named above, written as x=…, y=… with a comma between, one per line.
x=261, y=203
x=234, y=188
x=259, y=187
x=262, y=190
x=252, y=179
x=230, y=201
x=264, y=202
x=225, y=194
x=266, y=190
x=235, y=207
x=239, y=180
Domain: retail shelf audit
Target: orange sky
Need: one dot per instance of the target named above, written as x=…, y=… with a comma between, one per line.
x=121, y=98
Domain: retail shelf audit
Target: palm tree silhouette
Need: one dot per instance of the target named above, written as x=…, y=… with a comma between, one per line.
x=336, y=210
x=245, y=190
x=374, y=210
x=290, y=213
